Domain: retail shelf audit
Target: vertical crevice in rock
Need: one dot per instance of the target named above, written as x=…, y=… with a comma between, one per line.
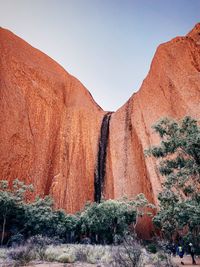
x=101, y=158
x=128, y=135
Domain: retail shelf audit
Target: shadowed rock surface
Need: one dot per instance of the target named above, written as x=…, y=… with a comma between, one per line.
x=51, y=126
x=101, y=159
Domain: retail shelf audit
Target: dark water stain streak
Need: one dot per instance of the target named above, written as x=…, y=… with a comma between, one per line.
x=101, y=158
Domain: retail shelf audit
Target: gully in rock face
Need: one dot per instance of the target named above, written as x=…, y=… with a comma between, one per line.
x=101, y=158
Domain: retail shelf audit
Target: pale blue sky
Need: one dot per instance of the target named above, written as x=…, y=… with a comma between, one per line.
x=107, y=44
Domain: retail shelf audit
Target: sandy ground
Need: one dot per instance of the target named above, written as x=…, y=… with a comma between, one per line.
x=64, y=265
x=187, y=261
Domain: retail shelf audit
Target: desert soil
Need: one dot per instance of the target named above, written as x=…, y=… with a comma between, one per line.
x=187, y=261
x=64, y=265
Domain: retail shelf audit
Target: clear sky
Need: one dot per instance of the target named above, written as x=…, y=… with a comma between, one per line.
x=107, y=44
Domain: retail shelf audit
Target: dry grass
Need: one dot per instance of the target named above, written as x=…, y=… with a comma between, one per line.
x=96, y=255
x=83, y=253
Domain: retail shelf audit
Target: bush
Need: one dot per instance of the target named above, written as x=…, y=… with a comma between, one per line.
x=67, y=258
x=105, y=220
x=95, y=254
x=128, y=254
x=22, y=255
x=34, y=248
x=3, y=253
x=52, y=253
x=178, y=157
x=152, y=248
x=60, y=253
x=100, y=223
x=16, y=240
x=42, y=241
x=82, y=252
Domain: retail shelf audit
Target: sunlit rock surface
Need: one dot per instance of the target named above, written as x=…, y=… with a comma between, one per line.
x=171, y=88
x=51, y=127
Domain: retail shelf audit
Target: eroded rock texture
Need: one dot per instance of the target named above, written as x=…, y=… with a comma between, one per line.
x=172, y=88
x=50, y=125
x=51, y=128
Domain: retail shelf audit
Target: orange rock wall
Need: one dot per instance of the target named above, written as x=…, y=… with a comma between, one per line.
x=49, y=125
x=172, y=88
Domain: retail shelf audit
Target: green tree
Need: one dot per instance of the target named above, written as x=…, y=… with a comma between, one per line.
x=179, y=164
x=39, y=217
x=102, y=222
x=21, y=219
x=106, y=219
x=11, y=205
x=42, y=219
x=111, y=218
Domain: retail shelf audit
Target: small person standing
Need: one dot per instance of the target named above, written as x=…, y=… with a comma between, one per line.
x=191, y=252
x=180, y=252
x=173, y=249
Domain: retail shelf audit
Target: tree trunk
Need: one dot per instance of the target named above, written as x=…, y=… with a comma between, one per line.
x=3, y=230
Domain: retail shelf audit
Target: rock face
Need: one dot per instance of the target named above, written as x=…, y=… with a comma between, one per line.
x=50, y=125
x=55, y=136
x=172, y=88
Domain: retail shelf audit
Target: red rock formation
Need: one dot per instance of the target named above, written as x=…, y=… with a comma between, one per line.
x=49, y=125
x=172, y=88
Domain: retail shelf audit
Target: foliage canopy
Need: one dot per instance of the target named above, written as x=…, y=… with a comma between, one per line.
x=101, y=223
x=179, y=163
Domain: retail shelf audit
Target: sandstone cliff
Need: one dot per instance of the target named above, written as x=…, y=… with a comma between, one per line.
x=52, y=133
x=50, y=125
x=172, y=88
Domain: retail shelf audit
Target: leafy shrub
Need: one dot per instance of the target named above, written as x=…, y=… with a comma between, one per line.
x=178, y=157
x=12, y=207
x=162, y=256
x=152, y=248
x=105, y=220
x=16, y=240
x=99, y=223
x=42, y=241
